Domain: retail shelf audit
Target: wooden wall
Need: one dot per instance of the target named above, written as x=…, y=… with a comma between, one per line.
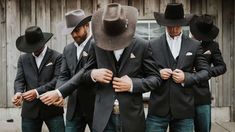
x=17, y=15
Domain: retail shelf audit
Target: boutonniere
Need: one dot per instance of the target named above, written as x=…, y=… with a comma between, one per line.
x=132, y=56
x=189, y=53
x=48, y=64
x=84, y=54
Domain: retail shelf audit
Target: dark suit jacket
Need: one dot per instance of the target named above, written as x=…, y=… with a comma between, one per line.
x=213, y=55
x=81, y=100
x=43, y=79
x=171, y=97
x=136, y=62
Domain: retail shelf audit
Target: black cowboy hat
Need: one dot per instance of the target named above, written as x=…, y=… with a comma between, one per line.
x=202, y=28
x=173, y=16
x=33, y=40
x=73, y=19
x=114, y=26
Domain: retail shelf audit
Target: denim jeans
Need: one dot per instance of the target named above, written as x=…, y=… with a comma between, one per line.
x=55, y=124
x=77, y=124
x=202, y=120
x=114, y=124
x=160, y=124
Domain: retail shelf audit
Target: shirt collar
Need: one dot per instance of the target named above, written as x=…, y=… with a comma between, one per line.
x=42, y=54
x=83, y=44
x=175, y=38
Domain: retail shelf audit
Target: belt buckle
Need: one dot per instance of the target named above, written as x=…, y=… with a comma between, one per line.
x=116, y=109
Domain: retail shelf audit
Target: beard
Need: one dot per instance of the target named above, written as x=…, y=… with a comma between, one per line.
x=81, y=39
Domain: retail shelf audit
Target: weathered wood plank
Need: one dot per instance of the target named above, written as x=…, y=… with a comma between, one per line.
x=3, y=56
x=58, y=10
x=186, y=4
x=27, y=14
x=139, y=4
x=151, y=6
x=196, y=6
x=122, y=2
x=97, y=4
x=228, y=17
x=87, y=6
x=233, y=87
x=13, y=31
x=42, y=16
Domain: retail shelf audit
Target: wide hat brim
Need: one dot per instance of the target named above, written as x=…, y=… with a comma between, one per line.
x=161, y=20
x=24, y=46
x=109, y=42
x=65, y=30
x=199, y=35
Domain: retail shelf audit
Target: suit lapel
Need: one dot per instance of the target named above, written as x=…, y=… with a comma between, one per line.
x=125, y=56
x=45, y=59
x=73, y=55
x=82, y=57
x=34, y=65
x=182, y=53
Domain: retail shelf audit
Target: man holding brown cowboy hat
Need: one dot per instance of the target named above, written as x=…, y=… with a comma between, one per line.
x=37, y=72
x=177, y=55
x=81, y=101
x=203, y=29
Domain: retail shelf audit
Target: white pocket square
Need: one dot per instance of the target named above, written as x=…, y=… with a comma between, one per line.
x=208, y=52
x=84, y=53
x=132, y=55
x=189, y=53
x=48, y=64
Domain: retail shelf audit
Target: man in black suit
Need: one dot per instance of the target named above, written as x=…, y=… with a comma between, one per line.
x=177, y=56
x=203, y=29
x=37, y=73
x=125, y=70
x=81, y=101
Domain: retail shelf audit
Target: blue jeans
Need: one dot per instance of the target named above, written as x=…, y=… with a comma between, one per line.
x=202, y=120
x=77, y=124
x=160, y=124
x=114, y=124
x=55, y=124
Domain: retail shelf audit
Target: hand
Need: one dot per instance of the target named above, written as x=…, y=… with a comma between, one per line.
x=60, y=102
x=122, y=84
x=50, y=97
x=30, y=95
x=165, y=73
x=17, y=99
x=102, y=75
x=178, y=76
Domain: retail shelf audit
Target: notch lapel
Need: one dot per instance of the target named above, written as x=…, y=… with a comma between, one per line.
x=125, y=56
x=182, y=53
x=33, y=62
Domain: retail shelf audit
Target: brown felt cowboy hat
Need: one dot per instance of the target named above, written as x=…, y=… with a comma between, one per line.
x=173, y=16
x=202, y=28
x=114, y=26
x=33, y=40
x=73, y=19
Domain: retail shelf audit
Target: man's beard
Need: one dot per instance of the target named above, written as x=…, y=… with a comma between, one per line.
x=82, y=39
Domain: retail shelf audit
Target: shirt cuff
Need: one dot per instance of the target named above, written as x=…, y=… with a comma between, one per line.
x=59, y=93
x=37, y=93
x=131, y=89
x=92, y=78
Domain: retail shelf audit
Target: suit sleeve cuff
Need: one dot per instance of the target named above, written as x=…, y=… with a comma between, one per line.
x=37, y=93
x=59, y=93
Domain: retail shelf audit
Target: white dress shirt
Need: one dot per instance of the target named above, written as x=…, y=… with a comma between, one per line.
x=38, y=60
x=174, y=44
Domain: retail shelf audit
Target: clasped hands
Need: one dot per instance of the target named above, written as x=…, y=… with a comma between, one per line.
x=45, y=98
x=103, y=75
x=177, y=75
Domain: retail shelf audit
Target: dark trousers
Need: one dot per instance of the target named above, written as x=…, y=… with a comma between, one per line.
x=78, y=124
x=202, y=120
x=160, y=124
x=114, y=124
x=55, y=124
